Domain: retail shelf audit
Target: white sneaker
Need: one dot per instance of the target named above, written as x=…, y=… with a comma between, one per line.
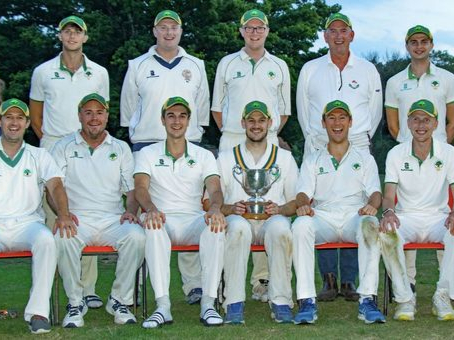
x=75, y=316
x=405, y=311
x=260, y=291
x=441, y=305
x=121, y=312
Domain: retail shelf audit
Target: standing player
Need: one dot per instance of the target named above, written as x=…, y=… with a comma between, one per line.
x=355, y=81
x=166, y=70
x=24, y=171
x=343, y=185
x=170, y=177
x=57, y=87
x=421, y=79
x=419, y=172
x=257, y=153
x=96, y=201
x=251, y=74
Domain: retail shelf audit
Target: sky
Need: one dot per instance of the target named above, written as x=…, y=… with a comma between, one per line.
x=381, y=25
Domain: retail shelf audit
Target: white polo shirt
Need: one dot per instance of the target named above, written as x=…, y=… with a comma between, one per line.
x=240, y=80
x=95, y=179
x=422, y=186
x=150, y=81
x=22, y=181
x=320, y=82
x=403, y=89
x=281, y=192
x=344, y=185
x=61, y=91
x=176, y=185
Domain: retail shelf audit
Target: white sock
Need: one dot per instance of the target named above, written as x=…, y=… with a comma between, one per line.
x=362, y=297
x=206, y=303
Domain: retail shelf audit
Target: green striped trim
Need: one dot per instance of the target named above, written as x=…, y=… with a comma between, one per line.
x=12, y=162
x=240, y=161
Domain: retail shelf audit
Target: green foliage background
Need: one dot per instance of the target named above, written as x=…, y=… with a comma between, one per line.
x=122, y=29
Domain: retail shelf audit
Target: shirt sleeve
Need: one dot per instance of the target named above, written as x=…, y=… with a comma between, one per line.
x=302, y=102
x=48, y=167
x=391, y=94
x=391, y=174
x=142, y=164
x=371, y=178
x=105, y=85
x=284, y=102
x=58, y=155
x=126, y=169
x=219, y=88
x=203, y=98
x=450, y=88
x=209, y=166
x=36, y=88
x=306, y=179
x=129, y=95
x=375, y=101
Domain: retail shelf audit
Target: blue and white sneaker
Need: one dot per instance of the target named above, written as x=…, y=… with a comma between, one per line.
x=369, y=312
x=75, y=316
x=307, y=312
x=235, y=314
x=281, y=313
x=194, y=296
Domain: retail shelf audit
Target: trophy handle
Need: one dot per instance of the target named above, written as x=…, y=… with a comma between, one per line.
x=275, y=171
x=237, y=170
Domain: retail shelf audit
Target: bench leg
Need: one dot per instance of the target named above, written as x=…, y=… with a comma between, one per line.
x=144, y=290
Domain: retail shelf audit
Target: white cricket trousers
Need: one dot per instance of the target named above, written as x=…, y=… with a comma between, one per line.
x=127, y=238
x=417, y=227
x=17, y=235
x=275, y=234
x=184, y=229
x=324, y=227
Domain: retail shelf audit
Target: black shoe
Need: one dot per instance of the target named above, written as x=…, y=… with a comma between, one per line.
x=330, y=290
x=348, y=291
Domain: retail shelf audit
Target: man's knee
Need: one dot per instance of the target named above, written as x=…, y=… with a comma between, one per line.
x=302, y=227
x=280, y=228
x=238, y=229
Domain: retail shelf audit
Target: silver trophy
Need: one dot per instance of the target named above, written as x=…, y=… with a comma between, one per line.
x=256, y=183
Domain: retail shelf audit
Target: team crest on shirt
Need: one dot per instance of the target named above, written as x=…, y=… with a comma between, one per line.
x=435, y=84
x=88, y=74
x=321, y=171
x=239, y=75
x=271, y=75
x=161, y=162
x=354, y=84
x=113, y=156
x=406, y=167
x=75, y=155
x=153, y=74
x=191, y=162
x=406, y=87
x=57, y=76
x=187, y=75
x=356, y=166
x=438, y=165
x=27, y=172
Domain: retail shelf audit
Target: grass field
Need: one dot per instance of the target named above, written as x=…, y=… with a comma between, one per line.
x=337, y=320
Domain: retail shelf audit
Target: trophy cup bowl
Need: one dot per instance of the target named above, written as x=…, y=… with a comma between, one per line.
x=256, y=183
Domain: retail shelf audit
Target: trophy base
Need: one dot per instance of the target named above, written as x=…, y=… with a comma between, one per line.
x=256, y=211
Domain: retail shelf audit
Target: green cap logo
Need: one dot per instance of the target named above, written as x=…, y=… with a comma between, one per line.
x=425, y=106
x=172, y=101
x=14, y=102
x=256, y=106
x=336, y=104
x=338, y=17
x=72, y=19
x=169, y=15
x=418, y=29
x=94, y=96
x=253, y=14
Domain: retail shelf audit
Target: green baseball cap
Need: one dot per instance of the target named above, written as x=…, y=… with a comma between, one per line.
x=418, y=29
x=13, y=102
x=94, y=96
x=256, y=106
x=72, y=19
x=253, y=14
x=172, y=101
x=169, y=15
x=425, y=106
x=338, y=16
x=336, y=104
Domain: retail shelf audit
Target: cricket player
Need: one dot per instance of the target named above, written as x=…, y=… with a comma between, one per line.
x=166, y=70
x=419, y=171
x=57, y=86
x=258, y=153
x=420, y=79
x=251, y=74
x=356, y=82
x=170, y=177
x=343, y=184
x=98, y=171
x=24, y=172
